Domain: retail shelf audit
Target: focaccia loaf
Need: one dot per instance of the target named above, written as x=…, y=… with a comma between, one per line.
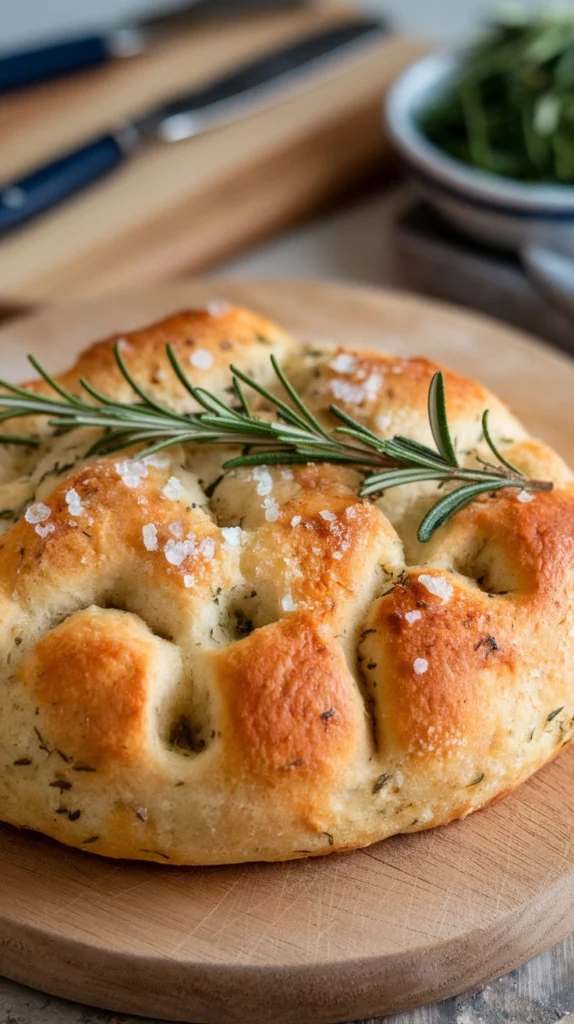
x=280, y=670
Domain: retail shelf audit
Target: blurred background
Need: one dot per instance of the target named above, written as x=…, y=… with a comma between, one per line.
x=437, y=19
x=306, y=182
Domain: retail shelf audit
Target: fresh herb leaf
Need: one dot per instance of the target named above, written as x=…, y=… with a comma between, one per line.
x=294, y=436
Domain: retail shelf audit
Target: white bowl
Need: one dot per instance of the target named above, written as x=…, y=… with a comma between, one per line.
x=496, y=210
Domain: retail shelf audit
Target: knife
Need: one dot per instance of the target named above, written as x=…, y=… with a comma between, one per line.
x=79, y=53
x=245, y=89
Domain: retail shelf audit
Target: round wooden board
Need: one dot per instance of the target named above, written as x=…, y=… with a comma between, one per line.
x=349, y=936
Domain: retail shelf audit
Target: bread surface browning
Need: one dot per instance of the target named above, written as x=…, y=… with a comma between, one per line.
x=282, y=669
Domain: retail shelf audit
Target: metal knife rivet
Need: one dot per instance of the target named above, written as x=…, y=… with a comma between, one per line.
x=14, y=197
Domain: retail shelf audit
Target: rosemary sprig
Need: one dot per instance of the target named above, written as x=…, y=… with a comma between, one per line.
x=293, y=435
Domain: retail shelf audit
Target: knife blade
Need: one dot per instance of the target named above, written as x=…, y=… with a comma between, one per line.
x=242, y=91
x=59, y=57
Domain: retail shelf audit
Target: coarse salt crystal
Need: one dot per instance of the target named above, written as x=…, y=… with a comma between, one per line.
x=329, y=517
x=37, y=513
x=217, y=307
x=296, y=520
x=173, y=489
x=176, y=530
x=131, y=471
x=396, y=369
x=413, y=617
x=344, y=391
x=43, y=531
x=149, y=533
x=188, y=580
x=372, y=385
x=438, y=586
x=383, y=422
x=232, y=535
x=74, y=503
x=420, y=666
x=343, y=363
x=286, y=474
x=338, y=555
x=271, y=509
x=202, y=359
x=524, y=497
x=176, y=551
x=207, y=548
x=288, y=604
x=156, y=460
x=264, y=480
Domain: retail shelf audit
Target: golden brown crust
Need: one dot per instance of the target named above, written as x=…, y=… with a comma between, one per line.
x=282, y=669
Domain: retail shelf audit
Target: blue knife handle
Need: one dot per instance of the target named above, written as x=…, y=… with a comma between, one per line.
x=51, y=184
x=29, y=67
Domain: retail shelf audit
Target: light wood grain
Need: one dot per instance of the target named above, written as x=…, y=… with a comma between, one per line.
x=177, y=208
x=353, y=936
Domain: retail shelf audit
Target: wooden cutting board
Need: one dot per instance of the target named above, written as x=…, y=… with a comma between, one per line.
x=179, y=208
x=349, y=936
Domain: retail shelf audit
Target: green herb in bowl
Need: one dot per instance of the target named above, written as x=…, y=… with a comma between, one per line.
x=510, y=108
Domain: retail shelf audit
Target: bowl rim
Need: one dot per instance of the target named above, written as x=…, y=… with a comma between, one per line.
x=405, y=100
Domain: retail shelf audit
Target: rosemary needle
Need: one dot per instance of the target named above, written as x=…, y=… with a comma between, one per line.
x=294, y=435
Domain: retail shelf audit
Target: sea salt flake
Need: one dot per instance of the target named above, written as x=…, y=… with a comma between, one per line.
x=288, y=604
x=383, y=422
x=413, y=617
x=271, y=510
x=173, y=489
x=372, y=386
x=420, y=666
x=264, y=480
x=43, y=531
x=156, y=460
x=176, y=551
x=37, y=513
x=218, y=307
x=296, y=520
x=232, y=535
x=207, y=548
x=344, y=391
x=131, y=471
x=329, y=517
x=343, y=363
x=438, y=586
x=524, y=497
x=74, y=503
x=149, y=533
x=202, y=359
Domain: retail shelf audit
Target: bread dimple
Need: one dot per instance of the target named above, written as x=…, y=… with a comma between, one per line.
x=96, y=676
x=280, y=669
